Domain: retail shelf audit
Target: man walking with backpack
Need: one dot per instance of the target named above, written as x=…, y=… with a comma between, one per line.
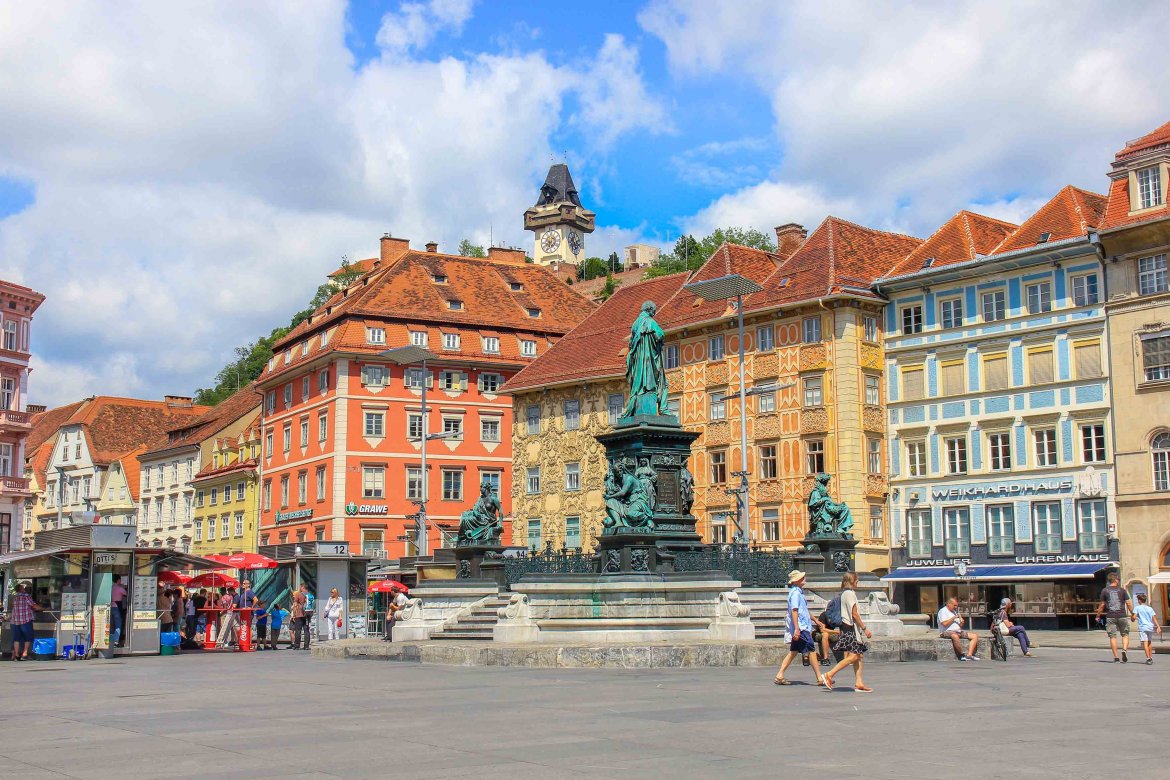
x=1118, y=611
x=827, y=628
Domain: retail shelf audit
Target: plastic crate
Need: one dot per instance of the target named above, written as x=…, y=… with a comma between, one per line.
x=44, y=649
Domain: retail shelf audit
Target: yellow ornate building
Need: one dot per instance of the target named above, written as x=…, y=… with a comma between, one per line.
x=813, y=336
x=227, y=506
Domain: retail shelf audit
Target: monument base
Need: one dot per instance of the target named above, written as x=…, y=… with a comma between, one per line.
x=433, y=605
x=476, y=562
x=826, y=557
x=631, y=552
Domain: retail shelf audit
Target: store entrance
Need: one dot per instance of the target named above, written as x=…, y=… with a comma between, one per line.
x=112, y=594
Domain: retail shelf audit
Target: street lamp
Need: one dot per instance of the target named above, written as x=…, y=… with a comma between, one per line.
x=410, y=356
x=724, y=288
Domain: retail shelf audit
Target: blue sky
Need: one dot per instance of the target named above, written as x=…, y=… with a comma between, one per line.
x=178, y=179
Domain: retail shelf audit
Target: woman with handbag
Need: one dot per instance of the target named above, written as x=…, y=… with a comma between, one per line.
x=334, y=614
x=853, y=635
x=1003, y=622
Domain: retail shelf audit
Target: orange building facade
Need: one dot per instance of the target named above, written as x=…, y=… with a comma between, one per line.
x=343, y=425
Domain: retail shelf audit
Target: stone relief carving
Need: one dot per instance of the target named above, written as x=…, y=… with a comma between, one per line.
x=871, y=357
x=872, y=419
x=879, y=603
x=813, y=356
x=412, y=611
x=516, y=609
x=718, y=433
x=875, y=485
x=730, y=605
x=814, y=420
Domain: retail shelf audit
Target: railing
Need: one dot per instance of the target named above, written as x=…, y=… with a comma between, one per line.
x=1047, y=543
x=10, y=417
x=547, y=561
x=753, y=568
x=1001, y=545
x=918, y=548
x=14, y=484
x=1093, y=543
x=958, y=547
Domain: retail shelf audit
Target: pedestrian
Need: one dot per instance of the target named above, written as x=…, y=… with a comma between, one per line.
x=118, y=595
x=1118, y=611
x=227, y=627
x=310, y=609
x=178, y=608
x=1147, y=623
x=191, y=617
x=853, y=635
x=394, y=611
x=200, y=605
x=297, y=612
x=1009, y=628
x=798, y=629
x=334, y=612
x=950, y=624
x=276, y=618
x=20, y=610
x=261, y=615
x=166, y=609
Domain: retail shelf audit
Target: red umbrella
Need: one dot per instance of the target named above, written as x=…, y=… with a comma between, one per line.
x=173, y=578
x=245, y=561
x=385, y=586
x=213, y=580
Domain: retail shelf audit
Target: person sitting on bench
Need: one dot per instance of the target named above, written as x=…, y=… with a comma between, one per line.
x=950, y=623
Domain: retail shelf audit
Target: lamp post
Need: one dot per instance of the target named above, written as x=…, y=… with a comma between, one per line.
x=410, y=356
x=724, y=288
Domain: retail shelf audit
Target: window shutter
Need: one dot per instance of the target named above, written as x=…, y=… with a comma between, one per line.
x=479, y=383
x=365, y=375
x=953, y=378
x=463, y=380
x=1088, y=359
x=995, y=372
x=912, y=384
x=430, y=379
x=1040, y=367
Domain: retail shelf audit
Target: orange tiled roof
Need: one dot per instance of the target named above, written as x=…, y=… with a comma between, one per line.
x=364, y=266
x=114, y=426
x=591, y=287
x=209, y=471
x=1117, y=212
x=1159, y=137
x=1072, y=212
x=131, y=470
x=195, y=430
x=46, y=423
x=38, y=460
x=963, y=237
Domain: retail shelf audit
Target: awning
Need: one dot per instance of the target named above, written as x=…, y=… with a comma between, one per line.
x=24, y=555
x=1013, y=572
x=1161, y=578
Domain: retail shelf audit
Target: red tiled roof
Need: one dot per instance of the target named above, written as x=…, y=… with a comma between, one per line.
x=364, y=266
x=963, y=237
x=1117, y=212
x=1072, y=212
x=196, y=430
x=591, y=287
x=115, y=426
x=131, y=470
x=1159, y=137
x=208, y=471
x=46, y=423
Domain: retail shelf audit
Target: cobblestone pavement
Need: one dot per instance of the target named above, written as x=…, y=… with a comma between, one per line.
x=1066, y=714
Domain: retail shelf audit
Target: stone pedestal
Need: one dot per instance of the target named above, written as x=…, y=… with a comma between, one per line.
x=476, y=562
x=826, y=557
x=631, y=553
x=434, y=605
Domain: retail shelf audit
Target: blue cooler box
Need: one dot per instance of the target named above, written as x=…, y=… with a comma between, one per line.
x=170, y=639
x=45, y=649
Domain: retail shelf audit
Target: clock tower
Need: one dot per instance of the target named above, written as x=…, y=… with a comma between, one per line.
x=559, y=220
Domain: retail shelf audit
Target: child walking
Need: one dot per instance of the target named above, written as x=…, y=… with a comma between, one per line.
x=1147, y=621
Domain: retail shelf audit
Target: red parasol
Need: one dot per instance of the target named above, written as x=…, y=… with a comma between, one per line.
x=213, y=580
x=173, y=578
x=244, y=561
x=385, y=586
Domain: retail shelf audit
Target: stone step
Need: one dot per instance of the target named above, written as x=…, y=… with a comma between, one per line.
x=463, y=635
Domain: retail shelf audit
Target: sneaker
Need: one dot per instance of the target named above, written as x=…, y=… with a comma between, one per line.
x=1116, y=660
x=964, y=658
x=1124, y=657
x=974, y=658
x=1149, y=662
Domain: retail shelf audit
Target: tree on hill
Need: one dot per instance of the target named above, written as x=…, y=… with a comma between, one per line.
x=468, y=249
x=689, y=253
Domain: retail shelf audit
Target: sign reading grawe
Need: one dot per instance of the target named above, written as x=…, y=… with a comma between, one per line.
x=353, y=508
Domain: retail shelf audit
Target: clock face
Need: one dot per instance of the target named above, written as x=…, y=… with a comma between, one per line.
x=550, y=240
x=575, y=242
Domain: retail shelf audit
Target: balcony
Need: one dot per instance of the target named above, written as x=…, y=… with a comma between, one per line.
x=15, y=486
x=15, y=421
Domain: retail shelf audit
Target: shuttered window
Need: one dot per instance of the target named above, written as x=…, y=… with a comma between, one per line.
x=1040, y=366
x=913, y=384
x=952, y=378
x=1088, y=359
x=995, y=372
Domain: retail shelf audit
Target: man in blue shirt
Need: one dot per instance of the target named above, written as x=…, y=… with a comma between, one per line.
x=798, y=629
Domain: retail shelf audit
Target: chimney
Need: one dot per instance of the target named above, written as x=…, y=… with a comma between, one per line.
x=432, y=247
x=35, y=408
x=789, y=237
x=178, y=401
x=499, y=254
x=393, y=249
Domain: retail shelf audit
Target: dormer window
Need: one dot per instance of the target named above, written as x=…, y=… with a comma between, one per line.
x=451, y=341
x=491, y=345
x=375, y=335
x=527, y=348
x=439, y=278
x=304, y=348
x=287, y=357
x=533, y=311
x=516, y=286
x=1149, y=183
x=928, y=262
x=418, y=338
x=454, y=305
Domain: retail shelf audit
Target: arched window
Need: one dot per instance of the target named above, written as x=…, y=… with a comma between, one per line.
x=1160, y=448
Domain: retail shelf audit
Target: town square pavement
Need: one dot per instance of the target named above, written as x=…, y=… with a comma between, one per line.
x=1067, y=713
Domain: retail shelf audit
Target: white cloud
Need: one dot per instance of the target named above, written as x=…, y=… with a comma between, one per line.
x=614, y=99
x=766, y=205
x=414, y=25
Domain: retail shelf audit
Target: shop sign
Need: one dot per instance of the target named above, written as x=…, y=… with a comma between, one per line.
x=105, y=559
x=299, y=514
x=923, y=562
x=1002, y=490
x=1076, y=558
x=366, y=509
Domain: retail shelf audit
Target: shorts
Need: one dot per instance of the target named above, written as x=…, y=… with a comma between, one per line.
x=22, y=632
x=959, y=634
x=1117, y=625
x=802, y=643
x=1145, y=636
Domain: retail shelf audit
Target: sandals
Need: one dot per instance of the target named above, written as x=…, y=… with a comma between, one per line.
x=781, y=681
x=827, y=682
x=862, y=689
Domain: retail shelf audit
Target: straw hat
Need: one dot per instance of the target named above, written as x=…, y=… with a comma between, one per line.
x=796, y=575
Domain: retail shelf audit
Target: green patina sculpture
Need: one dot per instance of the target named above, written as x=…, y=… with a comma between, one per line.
x=484, y=522
x=645, y=370
x=826, y=517
x=627, y=504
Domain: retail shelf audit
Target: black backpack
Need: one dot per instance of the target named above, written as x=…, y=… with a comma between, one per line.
x=833, y=612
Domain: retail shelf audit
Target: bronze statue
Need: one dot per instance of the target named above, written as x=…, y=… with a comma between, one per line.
x=626, y=503
x=826, y=517
x=686, y=491
x=484, y=522
x=645, y=371
x=649, y=479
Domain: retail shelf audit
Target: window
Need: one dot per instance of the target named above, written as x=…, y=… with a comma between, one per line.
x=453, y=426
x=572, y=476
x=490, y=383
x=873, y=455
x=320, y=483
x=375, y=424
x=489, y=429
x=1091, y=526
x=873, y=392
x=954, y=378
x=1156, y=357
x=719, y=528
x=715, y=348
x=1001, y=529
x=535, y=538
x=918, y=533
x=266, y=495
x=223, y=534
x=1039, y=297
x=270, y=401
x=572, y=409
x=911, y=320
x=287, y=396
x=452, y=484
x=673, y=406
x=286, y=444
x=304, y=432
x=995, y=372
x=211, y=528
x=718, y=467
x=811, y=330
x=419, y=338
x=957, y=455
x=916, y=458
x=1160, y=449
x=1149, y=181
x=718, y=404
x=323, y=382
x=532, y=419
x=527, y=348
x=994, y=306
x=414, y=378
x=869, y=328
x=306, y=383
x=7, y=393
x=451, y=341
x=375, y=335
x=615, y=404
x=533, y=311
x=1152, y=276
x=999, y=447
x=492, y=478
x=373, y=481
x=1087, y=356
x=214, y=499
x=240, y=488
x=766, y=402
x=1085, y=290
x=267, y=449
x=1045, y=441
x=877, y=524
x=10, y=342
x=198, y=531
x=199, y=498
x=957, y=524
x=414, y=489
x=455, y=305
x=322, y=426
x=913, y=384
x=670, y=356
x=768, y=461
x=814, y=451
x=239, y=523
x=532, y=480
x=771, y=524
x=491, y=345
x=814, y=391
x=1046, y=517
x=374, y=376
x=573, y=532
x=453, y=381
x=950, y=312
x=1040, y=366
x=284, y=491
x=1093, y=443
x=6, y=460
x=764, y=336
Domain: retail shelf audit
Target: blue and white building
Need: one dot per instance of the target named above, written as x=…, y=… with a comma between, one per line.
x=1001, y=460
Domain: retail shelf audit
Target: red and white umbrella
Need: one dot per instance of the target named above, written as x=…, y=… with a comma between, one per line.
x=213, y=579
x=385, y=586
x=244, y=561
x=173, y=578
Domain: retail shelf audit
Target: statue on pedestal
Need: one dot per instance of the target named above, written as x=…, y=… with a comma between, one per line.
x=826, y=517
x=483, y=523
x=627, y=505
x=645, y=371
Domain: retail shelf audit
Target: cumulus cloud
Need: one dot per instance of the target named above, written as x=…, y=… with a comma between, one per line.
x=614, y=98
x=766, y=205
x=414, y=25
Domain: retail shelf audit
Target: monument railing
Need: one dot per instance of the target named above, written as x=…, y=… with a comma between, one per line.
x=547, y=561
x=754, y=568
